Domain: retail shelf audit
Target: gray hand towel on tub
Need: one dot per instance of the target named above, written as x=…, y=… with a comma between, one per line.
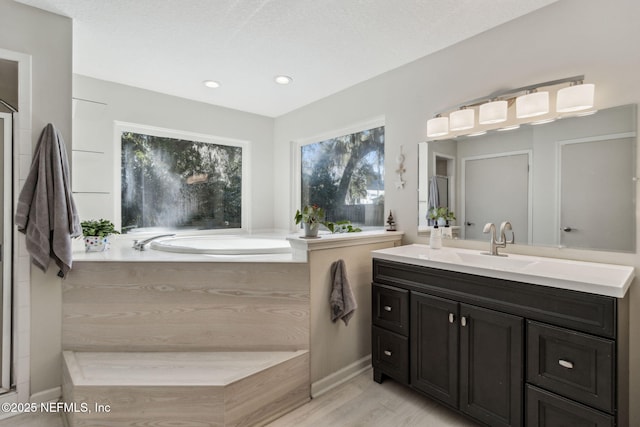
x=46, y=213
x=343, y=303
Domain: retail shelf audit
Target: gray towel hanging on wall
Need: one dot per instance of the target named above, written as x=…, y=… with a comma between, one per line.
x=343, y=303
x=46, y=212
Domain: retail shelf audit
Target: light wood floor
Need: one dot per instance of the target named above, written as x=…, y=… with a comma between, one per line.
x=362, y=402
x=358, y=403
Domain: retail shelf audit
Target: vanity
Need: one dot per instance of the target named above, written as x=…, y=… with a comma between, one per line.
x=507, y=341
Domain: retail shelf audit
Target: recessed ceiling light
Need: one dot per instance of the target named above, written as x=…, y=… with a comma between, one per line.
x=283, y=80
x=211, y=83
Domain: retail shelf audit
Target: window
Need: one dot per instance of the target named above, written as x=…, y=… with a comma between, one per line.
x=181, y=184
x=345, y=176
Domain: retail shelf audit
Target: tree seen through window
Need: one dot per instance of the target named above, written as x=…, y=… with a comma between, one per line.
x=179, y=184
x=345, y=176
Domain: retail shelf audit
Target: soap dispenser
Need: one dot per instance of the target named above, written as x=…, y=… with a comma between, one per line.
x=435, y=238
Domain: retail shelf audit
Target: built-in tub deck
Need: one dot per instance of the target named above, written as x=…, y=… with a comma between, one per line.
x=197, y=339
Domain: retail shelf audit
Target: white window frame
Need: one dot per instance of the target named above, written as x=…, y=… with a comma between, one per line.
x=120, y=127
x=296, y=155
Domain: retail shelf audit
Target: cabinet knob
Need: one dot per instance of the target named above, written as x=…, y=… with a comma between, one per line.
x=387, y=353
x=565, y=364
x=463, y=321
x=452, y=318
x=387, y=308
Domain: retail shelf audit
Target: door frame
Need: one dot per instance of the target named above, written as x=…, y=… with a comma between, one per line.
x=559, y=145
x=6, y=253
x=463, y=169
x=22, y=151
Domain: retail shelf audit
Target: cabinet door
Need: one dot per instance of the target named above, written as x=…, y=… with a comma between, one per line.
x=491, y=366
x=434, y=346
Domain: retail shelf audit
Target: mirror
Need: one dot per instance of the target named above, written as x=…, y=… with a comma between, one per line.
x=568, y=183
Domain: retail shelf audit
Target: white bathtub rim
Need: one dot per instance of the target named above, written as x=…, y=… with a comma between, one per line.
x=223, y=245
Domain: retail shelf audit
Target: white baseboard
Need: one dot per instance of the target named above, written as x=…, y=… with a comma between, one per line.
x=329, y=382
x=50, y=395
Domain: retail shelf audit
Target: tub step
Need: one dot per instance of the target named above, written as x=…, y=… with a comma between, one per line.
x=182, y=388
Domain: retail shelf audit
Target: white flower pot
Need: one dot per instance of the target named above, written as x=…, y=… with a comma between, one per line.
x=96, y=243
x=311, y=230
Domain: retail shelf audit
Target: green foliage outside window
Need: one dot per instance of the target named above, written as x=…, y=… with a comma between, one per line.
x=175, y=183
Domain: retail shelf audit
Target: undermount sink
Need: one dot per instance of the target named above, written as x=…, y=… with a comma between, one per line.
x=487, y=260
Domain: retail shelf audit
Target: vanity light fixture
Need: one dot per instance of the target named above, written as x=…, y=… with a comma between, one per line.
x=462, y=119
x=437, y=126
x=211, y=84
x=506, y=128
x=543, y=121
x=482, y=132
x=577, y=97
x=493, y=112
x=283, y=80
x=528, y=101
x=532, y=104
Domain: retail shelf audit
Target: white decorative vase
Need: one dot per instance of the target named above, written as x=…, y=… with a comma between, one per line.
x=311, y=230
x=96, y=243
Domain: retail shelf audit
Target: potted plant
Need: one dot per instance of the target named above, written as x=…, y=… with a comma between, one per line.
x=442, y=215
x=96, y=234
x=311, y=217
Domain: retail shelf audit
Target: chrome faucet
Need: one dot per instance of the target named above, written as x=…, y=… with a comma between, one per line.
x=140, y=245
x=494, y=244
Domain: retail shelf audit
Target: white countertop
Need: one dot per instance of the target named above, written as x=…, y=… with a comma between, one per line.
x=121, y=249
x=602, y=279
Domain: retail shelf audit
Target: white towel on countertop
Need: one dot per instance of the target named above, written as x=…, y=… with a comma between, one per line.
x=46, y=212
x=343, y=303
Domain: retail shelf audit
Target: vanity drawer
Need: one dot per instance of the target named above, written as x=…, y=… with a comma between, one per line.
x=546, y=409
x=390, y=308
x=572, y=364
x=390, y=354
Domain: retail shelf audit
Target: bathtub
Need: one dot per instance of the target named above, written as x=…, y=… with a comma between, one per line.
x=223, y=245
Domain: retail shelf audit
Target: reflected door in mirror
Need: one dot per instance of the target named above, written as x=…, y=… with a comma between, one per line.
x=497, y=190
x=597, y=194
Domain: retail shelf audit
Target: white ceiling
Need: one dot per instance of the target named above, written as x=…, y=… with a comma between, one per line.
x=172, y=46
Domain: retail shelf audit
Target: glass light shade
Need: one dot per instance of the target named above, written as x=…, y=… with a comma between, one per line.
x=462, y=119
x=493, y=112
x=532, y=104
x=437, y=126
x=575, y=98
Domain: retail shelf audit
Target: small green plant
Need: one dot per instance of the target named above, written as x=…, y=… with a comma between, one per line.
x=310, y=214
x=314, y=214
x=341, y=227
x=441, y=212
x=100, y=228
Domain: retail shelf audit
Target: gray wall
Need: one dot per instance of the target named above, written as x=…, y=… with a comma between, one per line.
x=47, y=38
x=567, y=38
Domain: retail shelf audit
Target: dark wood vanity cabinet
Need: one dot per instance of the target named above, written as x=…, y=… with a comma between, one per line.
x=503, y=353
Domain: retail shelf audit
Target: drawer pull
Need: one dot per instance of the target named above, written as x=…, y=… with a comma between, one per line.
x=463, y=321
x=387, y=308
x=565, y=364
x=452, y=318
x=387, y=353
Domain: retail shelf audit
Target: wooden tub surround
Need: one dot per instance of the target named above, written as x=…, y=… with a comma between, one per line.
x=194, y=344
x=199, y=340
